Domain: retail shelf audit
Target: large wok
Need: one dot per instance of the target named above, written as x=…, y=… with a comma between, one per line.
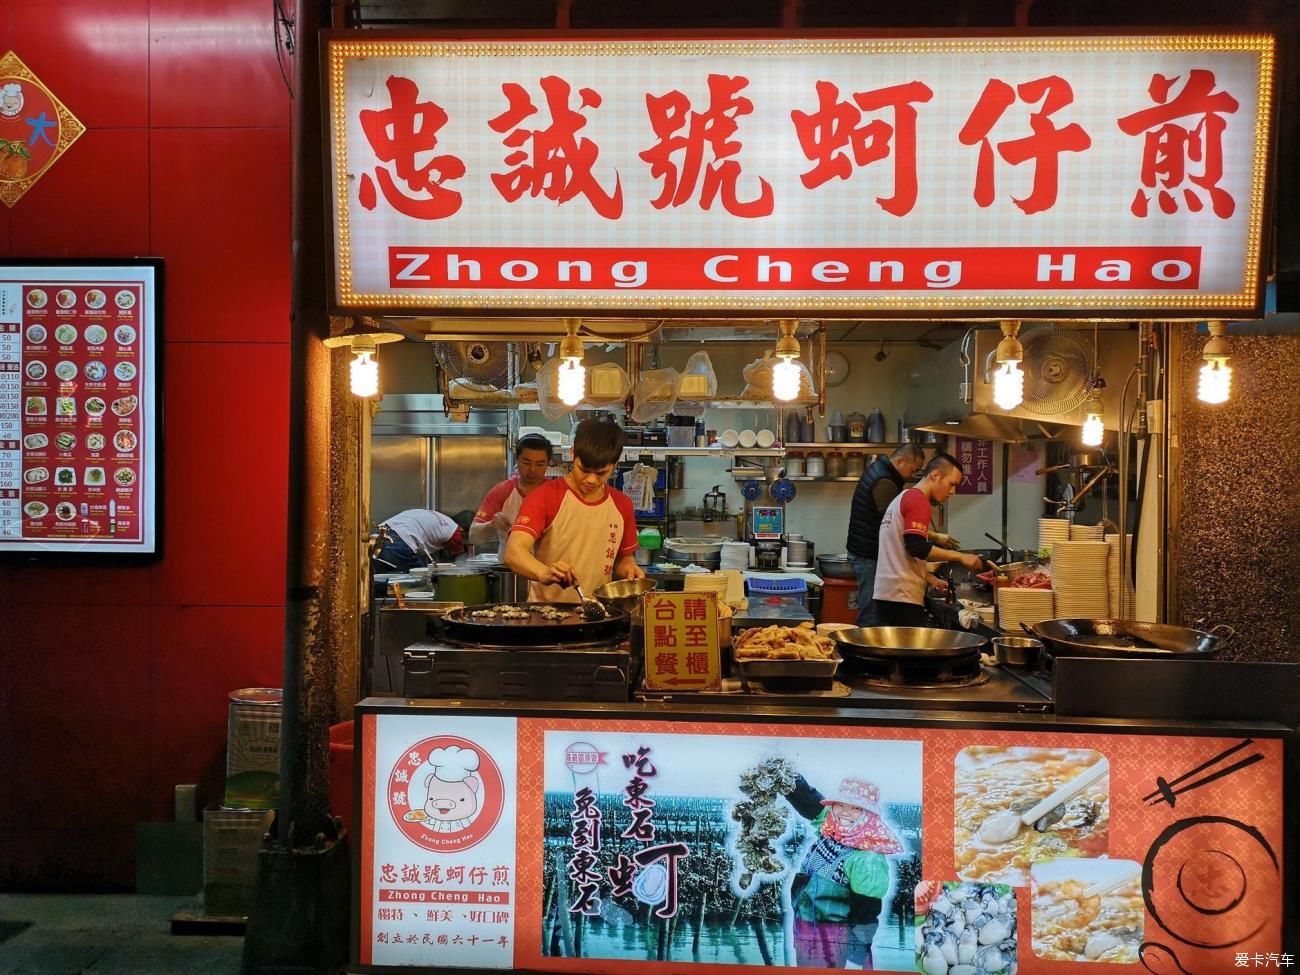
x=1128, y=638
x=907, y=643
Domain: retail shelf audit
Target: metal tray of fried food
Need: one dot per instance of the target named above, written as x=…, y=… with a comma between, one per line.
x=761, y=668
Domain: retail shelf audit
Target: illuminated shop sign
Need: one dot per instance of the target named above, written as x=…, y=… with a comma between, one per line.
x=1085, y=175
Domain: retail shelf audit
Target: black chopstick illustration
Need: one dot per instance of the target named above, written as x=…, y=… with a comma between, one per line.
x=1167, y=790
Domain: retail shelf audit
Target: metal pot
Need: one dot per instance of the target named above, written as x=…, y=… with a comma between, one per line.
x=1017, y=651
x=836, y=566
x=1128, y=638
x=702, y=550
x=624, y=594
x=904, y=642
x=462, y=586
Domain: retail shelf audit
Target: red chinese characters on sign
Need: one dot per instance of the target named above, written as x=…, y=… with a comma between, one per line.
x=399, y=135
x=687, y=139
x=696, y=155
x=976, y=457
x=1044, y=145
x=1169, y=146
x=552, y=161
x=682, y=641
x=837, y=126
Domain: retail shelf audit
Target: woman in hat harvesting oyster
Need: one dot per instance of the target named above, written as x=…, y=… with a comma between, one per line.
x=844, y=878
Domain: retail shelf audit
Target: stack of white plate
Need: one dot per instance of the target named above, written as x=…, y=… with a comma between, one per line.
x=1087, y=533
x=1017, y=606
x=735, y=555
x=1079, y=579
x=1051, y=531
x=796, y=551
x=1121, y=601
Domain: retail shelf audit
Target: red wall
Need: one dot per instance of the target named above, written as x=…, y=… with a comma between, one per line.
x=113, y=681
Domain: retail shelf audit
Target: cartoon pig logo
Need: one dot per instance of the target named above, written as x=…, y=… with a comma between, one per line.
x=454, y=790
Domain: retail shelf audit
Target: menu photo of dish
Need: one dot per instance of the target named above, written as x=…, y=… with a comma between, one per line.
x=83, y=399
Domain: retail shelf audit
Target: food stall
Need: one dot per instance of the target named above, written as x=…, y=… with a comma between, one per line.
x=712, y=771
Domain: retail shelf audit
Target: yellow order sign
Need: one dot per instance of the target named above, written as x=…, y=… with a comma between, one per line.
x=681, y=641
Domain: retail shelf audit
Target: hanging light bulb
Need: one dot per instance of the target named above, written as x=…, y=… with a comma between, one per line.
x=1094, y=421
x=363, y=336
x=1094, y=425
x=1008, y=380
x=786, y=374
x=1215, y=384
x=365, y=373
x=572, y=377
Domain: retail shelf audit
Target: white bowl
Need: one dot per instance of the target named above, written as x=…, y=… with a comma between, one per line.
x=729, y=438
x=748, y=438
x=766, y=438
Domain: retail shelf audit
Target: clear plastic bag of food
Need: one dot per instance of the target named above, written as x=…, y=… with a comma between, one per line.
x=548, y=391
x=758, y=379
x=654, y=395
x=607, y=385
x=698, y=381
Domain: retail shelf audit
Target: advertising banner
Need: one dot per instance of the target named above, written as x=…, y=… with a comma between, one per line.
x=79, y=409
x=658, y=847
x=952, y=175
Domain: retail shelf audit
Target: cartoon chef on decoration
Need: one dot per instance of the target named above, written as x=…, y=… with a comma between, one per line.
x=841, y=886
x=453, y=789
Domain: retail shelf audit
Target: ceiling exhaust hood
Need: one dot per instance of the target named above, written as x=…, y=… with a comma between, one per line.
x=978, y=426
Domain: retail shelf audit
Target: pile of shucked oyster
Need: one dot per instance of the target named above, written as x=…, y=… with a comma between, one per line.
x=970, y=930
x=762, y=818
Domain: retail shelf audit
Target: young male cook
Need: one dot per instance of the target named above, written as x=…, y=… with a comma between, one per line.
x=500, y=507
x=905, y=546
x=576, y=528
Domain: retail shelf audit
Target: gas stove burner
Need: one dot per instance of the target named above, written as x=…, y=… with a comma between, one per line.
x=914, y=673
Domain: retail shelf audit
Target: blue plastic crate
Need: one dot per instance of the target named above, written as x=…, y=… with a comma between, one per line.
x=778, y=587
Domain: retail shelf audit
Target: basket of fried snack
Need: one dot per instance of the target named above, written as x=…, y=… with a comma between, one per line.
x=784, y=651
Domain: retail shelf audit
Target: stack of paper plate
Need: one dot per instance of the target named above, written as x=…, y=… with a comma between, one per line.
x=1086, y=533
x=735, y=555
x=1051, y=531
x=1079, y=579
x=1121, y=598
x=707, y=582
x=1017, y=606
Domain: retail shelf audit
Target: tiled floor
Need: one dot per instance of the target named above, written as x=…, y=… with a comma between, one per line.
x=107, y=934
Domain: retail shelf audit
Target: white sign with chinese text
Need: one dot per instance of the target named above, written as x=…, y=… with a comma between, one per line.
x=1083, y=175
x=438, y=843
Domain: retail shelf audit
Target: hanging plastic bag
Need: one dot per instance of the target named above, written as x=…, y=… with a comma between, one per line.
x=607, y=385
x=758, y=379
x=654, y=395
x=699, y=381
x=548, y=395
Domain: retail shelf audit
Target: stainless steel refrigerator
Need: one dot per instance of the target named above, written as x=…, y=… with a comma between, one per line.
x=422, y=459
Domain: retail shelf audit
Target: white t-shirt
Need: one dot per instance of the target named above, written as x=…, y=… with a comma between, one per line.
x=589, y=535
x=423, y=529
x=504, y=498
x=900, y=578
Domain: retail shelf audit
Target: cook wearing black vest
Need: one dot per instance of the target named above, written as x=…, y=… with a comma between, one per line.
x=879, y=484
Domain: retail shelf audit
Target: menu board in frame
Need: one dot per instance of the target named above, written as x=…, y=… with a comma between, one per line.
x=80, y=390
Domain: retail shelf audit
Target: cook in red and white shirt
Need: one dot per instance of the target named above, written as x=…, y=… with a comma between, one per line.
x=500, y=507
x=905, y=546
x=574, y=528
